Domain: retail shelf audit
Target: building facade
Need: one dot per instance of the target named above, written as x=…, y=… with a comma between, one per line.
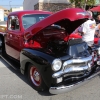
x=16, y=9
x=48, y=5
x=3, y=13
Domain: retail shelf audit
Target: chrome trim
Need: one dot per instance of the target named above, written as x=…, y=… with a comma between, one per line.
x=95, y=58
x=73, y=69
x=79, y=60
x=63, y=89
x=83, y=13
x=99, y=50
x=53, y=64
x=70, y=70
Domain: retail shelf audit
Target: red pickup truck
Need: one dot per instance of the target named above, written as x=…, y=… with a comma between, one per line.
x=35, y=43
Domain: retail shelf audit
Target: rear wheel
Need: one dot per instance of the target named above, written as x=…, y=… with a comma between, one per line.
x=35, y=78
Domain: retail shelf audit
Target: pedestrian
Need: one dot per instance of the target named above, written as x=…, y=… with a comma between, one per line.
x=98, y=19
x=97, y=30
x=87, y=30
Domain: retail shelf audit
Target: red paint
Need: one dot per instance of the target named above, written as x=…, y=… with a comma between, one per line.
x=32, y=44
x=16, y=40
x=96, y=9
x=68, y=14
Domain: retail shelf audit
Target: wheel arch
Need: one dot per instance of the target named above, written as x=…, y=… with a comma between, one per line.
x=44, y=68
x=46, y=80
x=26, y=67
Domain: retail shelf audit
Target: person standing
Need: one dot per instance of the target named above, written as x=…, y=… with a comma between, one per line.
x=98, y=19
x=97, y=32
x=88, y=30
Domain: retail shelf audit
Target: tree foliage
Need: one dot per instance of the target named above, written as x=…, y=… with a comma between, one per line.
x=82, y=3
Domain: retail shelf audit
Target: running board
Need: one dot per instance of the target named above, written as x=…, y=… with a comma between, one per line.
x=11, y=62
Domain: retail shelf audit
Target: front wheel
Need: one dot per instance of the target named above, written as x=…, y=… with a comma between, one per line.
x=35, y=78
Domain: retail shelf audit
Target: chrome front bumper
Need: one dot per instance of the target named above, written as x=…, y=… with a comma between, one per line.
x=63, y=89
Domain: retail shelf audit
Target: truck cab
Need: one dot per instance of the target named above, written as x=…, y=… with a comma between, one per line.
x=17, y=23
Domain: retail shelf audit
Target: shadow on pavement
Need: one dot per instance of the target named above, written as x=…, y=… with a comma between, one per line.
x=23, y=77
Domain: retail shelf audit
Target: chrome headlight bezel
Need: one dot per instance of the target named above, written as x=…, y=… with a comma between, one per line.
x=56, y=64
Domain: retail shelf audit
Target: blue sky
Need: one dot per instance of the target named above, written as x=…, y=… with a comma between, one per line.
x=11, y=3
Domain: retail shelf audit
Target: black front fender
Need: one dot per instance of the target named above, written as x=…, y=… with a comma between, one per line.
x=39, y=59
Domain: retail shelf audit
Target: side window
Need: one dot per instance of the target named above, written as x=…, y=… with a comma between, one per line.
x=13, y=23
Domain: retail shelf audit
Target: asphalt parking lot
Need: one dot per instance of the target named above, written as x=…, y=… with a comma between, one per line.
x=14, y=86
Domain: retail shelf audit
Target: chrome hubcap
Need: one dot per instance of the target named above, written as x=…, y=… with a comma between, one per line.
x=35, y=76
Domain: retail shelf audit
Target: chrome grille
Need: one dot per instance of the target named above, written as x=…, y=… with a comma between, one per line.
x=75, y=65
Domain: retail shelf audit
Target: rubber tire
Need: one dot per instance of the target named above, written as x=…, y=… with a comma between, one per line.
x=42, y=85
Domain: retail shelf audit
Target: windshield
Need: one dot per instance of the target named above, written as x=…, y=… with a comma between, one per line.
x=29, y=20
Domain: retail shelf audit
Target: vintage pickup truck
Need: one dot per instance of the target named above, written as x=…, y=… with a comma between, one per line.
x=38, y=43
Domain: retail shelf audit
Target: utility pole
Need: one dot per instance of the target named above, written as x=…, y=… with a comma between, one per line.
x=10, y=4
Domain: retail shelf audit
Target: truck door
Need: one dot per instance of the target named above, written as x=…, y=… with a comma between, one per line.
x=14, y=38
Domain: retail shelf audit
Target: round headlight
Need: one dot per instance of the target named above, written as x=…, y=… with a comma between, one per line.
x=56, y=64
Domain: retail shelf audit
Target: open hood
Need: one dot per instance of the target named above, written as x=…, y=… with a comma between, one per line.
x=70, y=19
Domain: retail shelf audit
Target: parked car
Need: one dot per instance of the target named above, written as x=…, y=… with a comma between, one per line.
x=39, y=44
